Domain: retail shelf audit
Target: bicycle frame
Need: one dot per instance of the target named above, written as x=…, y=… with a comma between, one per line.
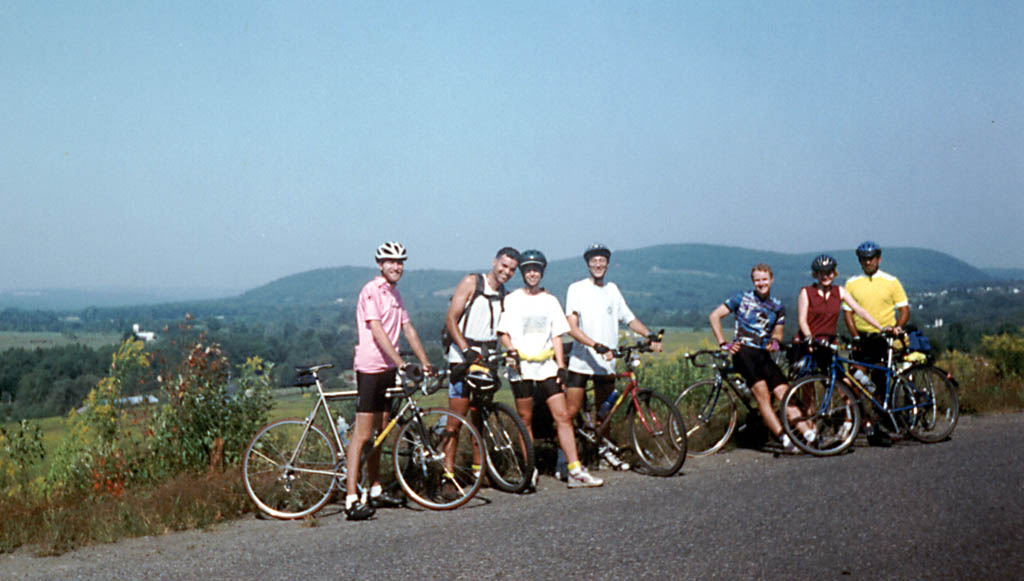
x=840, y=368
x=723, y=369
x=629, y=391
x=321, y=404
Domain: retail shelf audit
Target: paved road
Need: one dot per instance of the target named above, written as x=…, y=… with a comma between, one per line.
x=949, y=510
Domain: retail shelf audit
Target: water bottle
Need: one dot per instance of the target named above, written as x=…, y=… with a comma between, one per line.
x=741, y=386
x=343, y=429
x=606, y=405
x=864, y=380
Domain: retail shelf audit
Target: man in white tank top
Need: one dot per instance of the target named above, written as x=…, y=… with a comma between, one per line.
x=472, y=318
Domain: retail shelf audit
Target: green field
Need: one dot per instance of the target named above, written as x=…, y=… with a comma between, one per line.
x=46, y=340
x=680, y=339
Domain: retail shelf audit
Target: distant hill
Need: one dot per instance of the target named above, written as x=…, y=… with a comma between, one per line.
x=674, y=277
x=1005, y=273
x=657, y=280
x=75, y=299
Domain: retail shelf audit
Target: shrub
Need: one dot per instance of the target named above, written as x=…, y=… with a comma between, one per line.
x=20, y=450
x=667, y=375
x=204, y=423
x=982, y=387
x=100, y=450
x=1006, y=351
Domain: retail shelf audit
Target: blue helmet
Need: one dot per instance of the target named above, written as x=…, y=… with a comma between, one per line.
x=868, y=250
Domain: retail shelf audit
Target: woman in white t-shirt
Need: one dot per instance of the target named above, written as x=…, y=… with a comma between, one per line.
x=532, y=325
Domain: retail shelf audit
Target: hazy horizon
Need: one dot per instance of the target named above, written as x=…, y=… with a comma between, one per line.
x=184, y=293
x=195, y=145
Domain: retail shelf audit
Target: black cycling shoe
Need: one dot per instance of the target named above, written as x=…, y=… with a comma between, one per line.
x=359, y=511
x=880, y=439
x=385, y=500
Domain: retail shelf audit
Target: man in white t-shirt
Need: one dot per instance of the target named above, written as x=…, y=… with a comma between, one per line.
x=531, y=326
x=594, y=308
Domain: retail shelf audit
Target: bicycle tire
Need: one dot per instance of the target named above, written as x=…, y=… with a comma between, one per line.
x=936, y=400
x=284, y=488
x=419, y=460
x=510, y=457
x=835, y=415
x=709, y=411
x=658, y=433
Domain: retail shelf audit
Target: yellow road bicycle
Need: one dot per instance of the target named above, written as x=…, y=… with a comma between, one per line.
x=292, y=466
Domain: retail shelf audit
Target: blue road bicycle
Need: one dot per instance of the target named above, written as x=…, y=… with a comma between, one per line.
x=919, y=400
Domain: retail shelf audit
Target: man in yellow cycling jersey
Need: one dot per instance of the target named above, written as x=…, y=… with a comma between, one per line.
x=883, y=297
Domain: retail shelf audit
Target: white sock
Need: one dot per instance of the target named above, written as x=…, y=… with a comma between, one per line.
x=350, y=499
x=375, y=491
x=809, y=436
x=785, y=441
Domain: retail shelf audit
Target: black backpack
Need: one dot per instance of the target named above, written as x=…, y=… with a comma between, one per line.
x=446, y=338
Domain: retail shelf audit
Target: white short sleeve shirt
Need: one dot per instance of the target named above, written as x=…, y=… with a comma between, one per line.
x=533, y=323
x=600, y=309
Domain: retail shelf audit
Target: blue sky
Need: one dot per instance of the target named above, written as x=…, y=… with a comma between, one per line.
x=224, y=145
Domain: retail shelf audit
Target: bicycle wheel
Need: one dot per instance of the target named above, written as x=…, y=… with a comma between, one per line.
x=708, y=409
x=289, y=472
x=658, y=433
x=901, y=412
x=833, y=415
x=509, y=449
x=938, y=407
x=429, y=475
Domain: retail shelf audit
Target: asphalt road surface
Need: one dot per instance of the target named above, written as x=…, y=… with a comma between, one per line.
x=913, y=511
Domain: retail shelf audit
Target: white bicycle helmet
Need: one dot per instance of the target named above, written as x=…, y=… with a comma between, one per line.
x=391, y=251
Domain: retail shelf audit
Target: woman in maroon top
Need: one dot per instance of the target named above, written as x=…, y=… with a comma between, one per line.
x=818, y=304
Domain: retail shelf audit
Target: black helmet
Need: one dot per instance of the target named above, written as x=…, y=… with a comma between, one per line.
x=868, y=250
x=823, y=263
x=534, y=257
x=481, y=378
x=596, y=249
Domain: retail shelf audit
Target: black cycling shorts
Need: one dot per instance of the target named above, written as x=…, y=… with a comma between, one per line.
x=603, y=384
x=757, y=365
x=871, y=348
x=547, y=387
x=373, y=388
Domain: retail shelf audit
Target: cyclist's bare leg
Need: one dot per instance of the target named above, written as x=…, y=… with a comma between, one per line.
x=563, y=426
x=764, y=406
x=575, y=396
x=793, y=411
x=373, y=460
x=459, y=405
x=524, y=407
x=574, y=399
x=361, y=434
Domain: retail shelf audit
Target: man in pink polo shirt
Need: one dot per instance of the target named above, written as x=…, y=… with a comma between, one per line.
x=380, y=319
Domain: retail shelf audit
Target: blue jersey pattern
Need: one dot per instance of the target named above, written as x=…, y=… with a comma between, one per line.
x=756, y=318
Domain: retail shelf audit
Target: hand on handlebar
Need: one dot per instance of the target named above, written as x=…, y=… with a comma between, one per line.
x=604, y=351
x=471, y=355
